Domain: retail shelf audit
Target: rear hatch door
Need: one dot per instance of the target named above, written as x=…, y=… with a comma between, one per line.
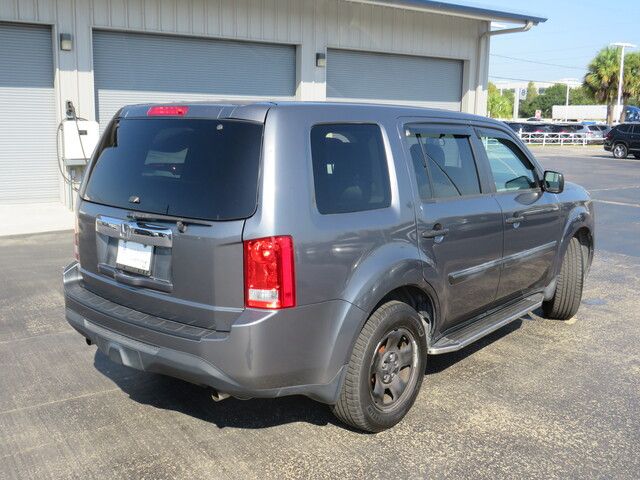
x=162, y=213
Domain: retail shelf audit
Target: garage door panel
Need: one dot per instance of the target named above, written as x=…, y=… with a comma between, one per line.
x=138, y=68
x=28, y=169
x=388, y=78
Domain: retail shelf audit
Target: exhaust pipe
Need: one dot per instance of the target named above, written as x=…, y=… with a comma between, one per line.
x=217, y=396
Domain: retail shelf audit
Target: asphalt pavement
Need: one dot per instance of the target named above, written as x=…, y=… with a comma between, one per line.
x=537, y=399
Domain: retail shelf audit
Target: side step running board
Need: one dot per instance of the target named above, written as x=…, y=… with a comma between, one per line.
x=462, y=337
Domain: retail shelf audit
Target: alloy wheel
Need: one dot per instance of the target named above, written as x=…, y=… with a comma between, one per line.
x=619, y=151
x=393, y=368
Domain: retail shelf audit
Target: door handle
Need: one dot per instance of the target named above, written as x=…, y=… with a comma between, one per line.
x=437, y=231
x=540, y=211
x=515, y=219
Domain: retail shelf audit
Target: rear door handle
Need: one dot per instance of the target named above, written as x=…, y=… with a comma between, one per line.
x=436, y=232
x=515, y=219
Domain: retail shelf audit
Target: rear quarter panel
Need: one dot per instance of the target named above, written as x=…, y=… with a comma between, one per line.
x=357, y=257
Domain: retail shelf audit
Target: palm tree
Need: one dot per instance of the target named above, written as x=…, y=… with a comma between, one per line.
x=601, y=79
x=631, y=87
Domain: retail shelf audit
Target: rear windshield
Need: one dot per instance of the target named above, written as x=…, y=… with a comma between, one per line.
x=201, y=169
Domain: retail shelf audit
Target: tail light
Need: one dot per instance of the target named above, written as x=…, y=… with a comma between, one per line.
x=269, y=277
x=76, y=232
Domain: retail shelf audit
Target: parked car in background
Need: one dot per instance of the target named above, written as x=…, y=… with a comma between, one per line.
x=632, y=113
x=596, y=133
x=592, y=133
x=623, y=139
x=564, y=128
x=515, y=126
x=530, y=129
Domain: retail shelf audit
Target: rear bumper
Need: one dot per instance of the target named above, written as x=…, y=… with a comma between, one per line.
x=301, y=350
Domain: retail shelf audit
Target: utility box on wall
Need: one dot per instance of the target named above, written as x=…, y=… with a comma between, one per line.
x=79, y=139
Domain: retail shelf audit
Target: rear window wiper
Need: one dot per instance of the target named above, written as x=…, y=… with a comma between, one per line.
x=181, y=222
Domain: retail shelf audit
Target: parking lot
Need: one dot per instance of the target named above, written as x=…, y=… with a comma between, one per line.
x=538, y=398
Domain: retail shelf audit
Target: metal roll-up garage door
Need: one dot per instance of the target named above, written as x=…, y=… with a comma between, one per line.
x=28, y=170
x=383, y=77
x=138, y=68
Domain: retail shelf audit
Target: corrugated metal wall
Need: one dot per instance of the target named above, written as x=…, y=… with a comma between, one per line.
x=28, y=172
x=313, y=25
x=425, y=81
x=139, y=68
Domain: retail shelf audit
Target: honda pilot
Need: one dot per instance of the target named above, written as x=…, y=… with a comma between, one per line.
x=322, y=249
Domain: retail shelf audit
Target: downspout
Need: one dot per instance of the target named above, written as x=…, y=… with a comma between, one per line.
x=484, y=40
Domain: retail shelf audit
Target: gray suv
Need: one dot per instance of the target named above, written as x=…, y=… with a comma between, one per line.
x=321, y=249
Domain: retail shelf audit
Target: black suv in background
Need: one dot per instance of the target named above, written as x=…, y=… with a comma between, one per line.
x=623, y=139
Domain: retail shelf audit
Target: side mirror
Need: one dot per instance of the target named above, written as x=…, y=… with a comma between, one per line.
x=553, y=182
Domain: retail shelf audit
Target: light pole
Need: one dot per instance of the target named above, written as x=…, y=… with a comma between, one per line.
x=566, y=105
x=622, y=46
x=568, y=82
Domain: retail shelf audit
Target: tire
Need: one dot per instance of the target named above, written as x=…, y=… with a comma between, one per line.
x=369, y=400
x=620, y=150
x=568, y=294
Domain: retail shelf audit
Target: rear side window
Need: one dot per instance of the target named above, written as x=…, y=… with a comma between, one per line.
x=624, y=128
x=201, y=169
x=350, y=171
x=443, y=164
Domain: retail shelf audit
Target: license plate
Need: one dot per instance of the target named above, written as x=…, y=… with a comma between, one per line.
x=134, y=257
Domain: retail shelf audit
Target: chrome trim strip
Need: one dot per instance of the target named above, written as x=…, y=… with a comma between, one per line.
x=525, y=254
x=468, y=273
x=141, y=232
x=471, y=272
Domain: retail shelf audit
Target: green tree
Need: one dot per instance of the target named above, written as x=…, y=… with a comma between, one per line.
x=581, y=96
x=498, y=106
x=532, y=91
x=631, y=87
x=602, y=77
x=555, y=95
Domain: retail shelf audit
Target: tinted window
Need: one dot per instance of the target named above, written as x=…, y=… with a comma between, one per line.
x=623, y=128
x=511, y=169
x=444, y=164
x=204, y=169
x=349, y=168
x=419, y=164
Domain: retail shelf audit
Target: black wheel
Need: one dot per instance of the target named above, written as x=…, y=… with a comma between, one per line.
x=385, y=371
x=637, y=155
x=620, y=150
x=568, y=294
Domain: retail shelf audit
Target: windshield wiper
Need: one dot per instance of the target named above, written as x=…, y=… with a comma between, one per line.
x=181, y=222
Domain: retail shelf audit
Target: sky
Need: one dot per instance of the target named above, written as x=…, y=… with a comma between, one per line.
x=569, y=39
